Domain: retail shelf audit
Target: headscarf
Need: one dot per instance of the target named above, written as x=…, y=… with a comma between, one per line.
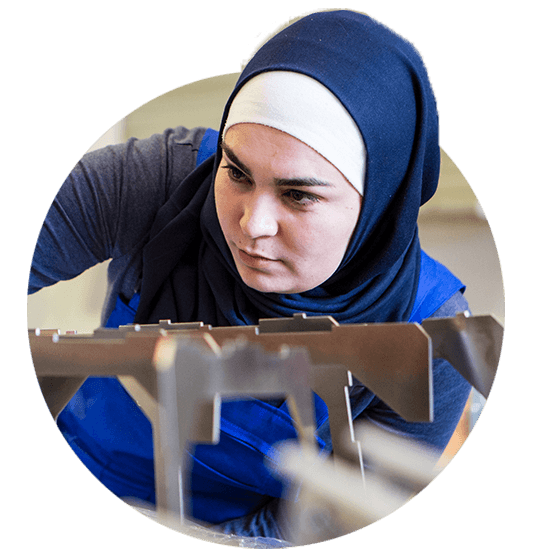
x=291, y=102
x=188, y=270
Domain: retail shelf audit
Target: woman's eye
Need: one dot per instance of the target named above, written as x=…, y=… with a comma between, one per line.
x=234, y=173
x=295, y=197
x=300, y=197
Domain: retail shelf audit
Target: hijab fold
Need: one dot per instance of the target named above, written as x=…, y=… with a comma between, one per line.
x=189, y=273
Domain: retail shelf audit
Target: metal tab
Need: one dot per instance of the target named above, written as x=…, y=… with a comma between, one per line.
x=299, y=322
x=472, y=345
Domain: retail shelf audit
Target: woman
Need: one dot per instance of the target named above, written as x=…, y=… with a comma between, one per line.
x=328, y=147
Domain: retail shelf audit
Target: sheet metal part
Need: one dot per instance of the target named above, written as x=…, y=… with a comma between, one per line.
x=336, y=500
x=193, y=380
x=472, y=344
x=391, y=359
x=63, y=362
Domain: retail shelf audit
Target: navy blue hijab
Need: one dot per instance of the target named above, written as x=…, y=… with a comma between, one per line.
x=189, y=273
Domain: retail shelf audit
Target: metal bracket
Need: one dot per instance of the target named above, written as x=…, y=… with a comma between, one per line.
x=471, y=344
x=193, y=380
x=178, y=373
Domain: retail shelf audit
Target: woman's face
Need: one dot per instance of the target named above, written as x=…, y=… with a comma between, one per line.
x=287, y=213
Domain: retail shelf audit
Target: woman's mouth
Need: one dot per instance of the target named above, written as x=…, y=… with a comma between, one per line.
x=253, y=260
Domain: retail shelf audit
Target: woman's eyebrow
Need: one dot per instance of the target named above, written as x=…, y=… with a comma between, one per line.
x=235, y=159
x=302, y=182
x=281, y=182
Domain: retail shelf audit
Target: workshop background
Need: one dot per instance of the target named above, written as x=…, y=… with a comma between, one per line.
x=453, y=227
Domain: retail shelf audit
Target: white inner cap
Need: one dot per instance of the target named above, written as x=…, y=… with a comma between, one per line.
x=302, y=107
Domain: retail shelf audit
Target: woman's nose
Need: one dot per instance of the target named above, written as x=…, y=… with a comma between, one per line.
x=259, y=218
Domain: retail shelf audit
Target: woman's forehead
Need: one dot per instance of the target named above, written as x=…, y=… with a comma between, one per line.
x=254, y=147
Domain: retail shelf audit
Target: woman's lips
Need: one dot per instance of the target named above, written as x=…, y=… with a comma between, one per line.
x=253, y=260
